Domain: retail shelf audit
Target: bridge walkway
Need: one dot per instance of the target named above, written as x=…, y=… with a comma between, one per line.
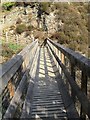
x=42, y=83
x=46, y=102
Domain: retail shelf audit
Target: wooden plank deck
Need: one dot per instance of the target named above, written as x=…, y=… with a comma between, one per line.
x=46, y=102
x=47, y=86
x=46, y=97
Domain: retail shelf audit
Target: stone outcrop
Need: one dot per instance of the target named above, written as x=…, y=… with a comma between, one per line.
x=30, y=16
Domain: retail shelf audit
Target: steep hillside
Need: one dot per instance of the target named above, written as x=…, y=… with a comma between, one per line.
x=65, y=22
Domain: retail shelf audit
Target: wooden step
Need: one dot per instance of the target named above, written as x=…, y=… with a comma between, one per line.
x=47, y=106
x=56, y=114
x=46, y=99
x=47, y=102
x=61, y=108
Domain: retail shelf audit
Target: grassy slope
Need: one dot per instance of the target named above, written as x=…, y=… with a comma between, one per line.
x=9, y=50
x=74, y=32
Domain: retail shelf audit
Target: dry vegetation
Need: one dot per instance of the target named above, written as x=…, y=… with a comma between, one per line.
x=73, y=34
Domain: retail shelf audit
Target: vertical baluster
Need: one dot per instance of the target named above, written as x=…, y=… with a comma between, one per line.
x=57, y=53
x=60, y=59
x=66, y=63
x=73, y=75
x=84, y=89
x=54, y=52
x=52, y=49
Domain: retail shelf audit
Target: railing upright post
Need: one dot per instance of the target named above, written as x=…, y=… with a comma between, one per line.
x=52, y=49
x=84, y=89
x=55, y=53
x=60, y=59
x=73, y=75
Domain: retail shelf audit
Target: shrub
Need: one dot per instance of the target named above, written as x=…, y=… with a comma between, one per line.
x=61, y=37
x=21, y=28
x=73, y=45
x=8, y=5
x=45, y=6
x=30, y=27
x=8, y=50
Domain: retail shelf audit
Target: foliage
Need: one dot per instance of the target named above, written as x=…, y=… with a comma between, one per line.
x=30, y=27
x=75, y=25
x=14, y=47
x=21, y=28
x=61, y=37
x=9, y=49
x=8, y=5
x=45, y=6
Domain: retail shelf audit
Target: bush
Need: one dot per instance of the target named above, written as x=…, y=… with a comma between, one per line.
x=6, y=51
x=61, y=37
x=21, y=28
x=8, y=5
x=73, y=45
x=9, y=49
x=30, y=27
x=45, y=6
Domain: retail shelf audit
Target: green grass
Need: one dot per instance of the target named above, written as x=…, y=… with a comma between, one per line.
x=8, y=5
x=10, y=49
x=14, y=47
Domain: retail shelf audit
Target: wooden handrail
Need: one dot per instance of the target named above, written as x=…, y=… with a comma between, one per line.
x=75, y=61
x=9, y=68
x=79, y=60
x=13, y=71
x=15, y=102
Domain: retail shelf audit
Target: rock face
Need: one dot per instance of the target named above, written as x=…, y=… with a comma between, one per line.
x=51, y=24
x=30, y=16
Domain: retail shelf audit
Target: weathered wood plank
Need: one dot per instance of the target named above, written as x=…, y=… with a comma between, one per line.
x=82, y=62
x=17, y=97
x=81, y=96
x=27, y=103
x=10, y=67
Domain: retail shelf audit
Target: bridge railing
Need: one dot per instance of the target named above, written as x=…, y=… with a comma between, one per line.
x=76, y=62
x=12, y=72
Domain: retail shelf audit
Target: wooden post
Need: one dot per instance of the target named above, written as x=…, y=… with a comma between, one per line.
x=60, y=59
x=66, y=64
x=52, y=53
x=11, y=89
x=73, y=75
x=57, y=53
x=84, y=89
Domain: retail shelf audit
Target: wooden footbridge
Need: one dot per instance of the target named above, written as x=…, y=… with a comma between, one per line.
x=45, y=83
